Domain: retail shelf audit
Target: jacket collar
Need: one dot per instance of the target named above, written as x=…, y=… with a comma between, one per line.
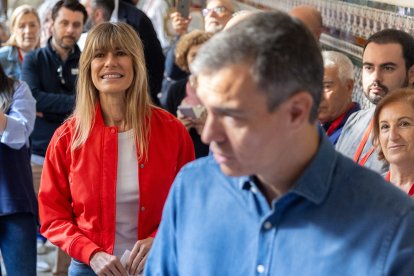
x=13, y=54
x=75, y=53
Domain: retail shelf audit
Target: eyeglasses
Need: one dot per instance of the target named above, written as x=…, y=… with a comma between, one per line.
x=218, y=10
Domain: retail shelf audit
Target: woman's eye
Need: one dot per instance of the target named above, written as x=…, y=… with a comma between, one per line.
x=121, y=53
x=404, y=123
x=384, y=127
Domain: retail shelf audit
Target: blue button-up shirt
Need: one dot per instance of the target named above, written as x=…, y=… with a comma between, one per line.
x=338, y=219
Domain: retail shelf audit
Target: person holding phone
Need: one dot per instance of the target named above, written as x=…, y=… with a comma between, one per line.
x=181, y=98
x=216, y=15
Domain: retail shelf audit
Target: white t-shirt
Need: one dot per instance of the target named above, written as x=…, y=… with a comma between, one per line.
x=127, y=194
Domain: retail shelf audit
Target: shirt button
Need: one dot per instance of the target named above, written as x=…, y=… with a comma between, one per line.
x=141, y=166
x=112, y=130
x=260, y=268
x=254, y=190
x=142, y=209
x=267, y=225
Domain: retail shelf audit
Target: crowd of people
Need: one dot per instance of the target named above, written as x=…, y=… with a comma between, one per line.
x=99, y=132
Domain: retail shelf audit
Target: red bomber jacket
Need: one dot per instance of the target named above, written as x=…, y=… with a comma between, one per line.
x=77, y=194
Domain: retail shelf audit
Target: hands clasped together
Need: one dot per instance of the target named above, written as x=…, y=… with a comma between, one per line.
x=104, y=264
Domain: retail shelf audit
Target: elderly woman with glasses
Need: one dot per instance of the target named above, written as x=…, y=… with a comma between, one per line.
x=109, y=167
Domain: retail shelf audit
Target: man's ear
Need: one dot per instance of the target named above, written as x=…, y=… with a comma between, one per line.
x=410, y=74
x=349, y=84
x=300, y=107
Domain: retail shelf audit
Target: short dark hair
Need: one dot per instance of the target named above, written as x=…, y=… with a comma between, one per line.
x=107, y=6
x=72, y=5
x=395, y=36
x=284, y=56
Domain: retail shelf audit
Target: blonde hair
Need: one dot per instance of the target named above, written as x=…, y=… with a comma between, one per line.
x=15, y=18
x=107, y=37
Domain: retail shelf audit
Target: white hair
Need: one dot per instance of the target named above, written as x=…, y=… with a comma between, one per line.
x=340, y=61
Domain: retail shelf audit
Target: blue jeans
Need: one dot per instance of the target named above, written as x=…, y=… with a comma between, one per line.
x=77, y=268
x=18, y=243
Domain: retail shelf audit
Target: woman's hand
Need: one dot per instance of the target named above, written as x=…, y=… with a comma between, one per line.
x=138, y=256
x=103, y=264
x=187, y=121
x=179, y=23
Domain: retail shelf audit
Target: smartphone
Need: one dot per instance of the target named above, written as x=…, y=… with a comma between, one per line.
x=183, y=7
x=187, y=111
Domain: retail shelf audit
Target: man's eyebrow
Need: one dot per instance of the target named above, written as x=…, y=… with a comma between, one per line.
x=388, y=64
x=228, y=110
x=381, y=65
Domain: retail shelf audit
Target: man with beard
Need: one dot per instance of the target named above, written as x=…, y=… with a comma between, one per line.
x=51, y=74
x=388, y=60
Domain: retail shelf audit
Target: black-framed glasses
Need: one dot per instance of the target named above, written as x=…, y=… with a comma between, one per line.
x=218, y=10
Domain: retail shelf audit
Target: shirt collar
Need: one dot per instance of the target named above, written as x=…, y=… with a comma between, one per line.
x=315, y=181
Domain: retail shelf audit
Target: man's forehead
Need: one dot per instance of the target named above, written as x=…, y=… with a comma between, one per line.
x=229, y=83
x=68, y=13
x=383, y=53
x=216, y=3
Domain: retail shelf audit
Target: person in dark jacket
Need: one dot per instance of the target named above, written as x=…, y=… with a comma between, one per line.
x=51, y=73
x=182, y=93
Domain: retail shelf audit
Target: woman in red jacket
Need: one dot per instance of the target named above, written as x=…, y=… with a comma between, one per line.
x=109, y=167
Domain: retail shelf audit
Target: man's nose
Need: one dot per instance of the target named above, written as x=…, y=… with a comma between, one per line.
x=212, y=130
x=377, y=75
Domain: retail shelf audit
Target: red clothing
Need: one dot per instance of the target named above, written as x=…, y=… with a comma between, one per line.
x=78, y=189
x=410, y=192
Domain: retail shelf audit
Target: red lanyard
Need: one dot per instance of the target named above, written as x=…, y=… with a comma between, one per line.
x=362, y=145
x=410, y=192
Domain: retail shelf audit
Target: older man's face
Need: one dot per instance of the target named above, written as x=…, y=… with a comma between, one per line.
x=219, y=13
x=244, y=136
x=337, y=95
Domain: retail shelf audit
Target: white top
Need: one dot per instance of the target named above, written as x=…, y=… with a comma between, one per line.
x=127, y=194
